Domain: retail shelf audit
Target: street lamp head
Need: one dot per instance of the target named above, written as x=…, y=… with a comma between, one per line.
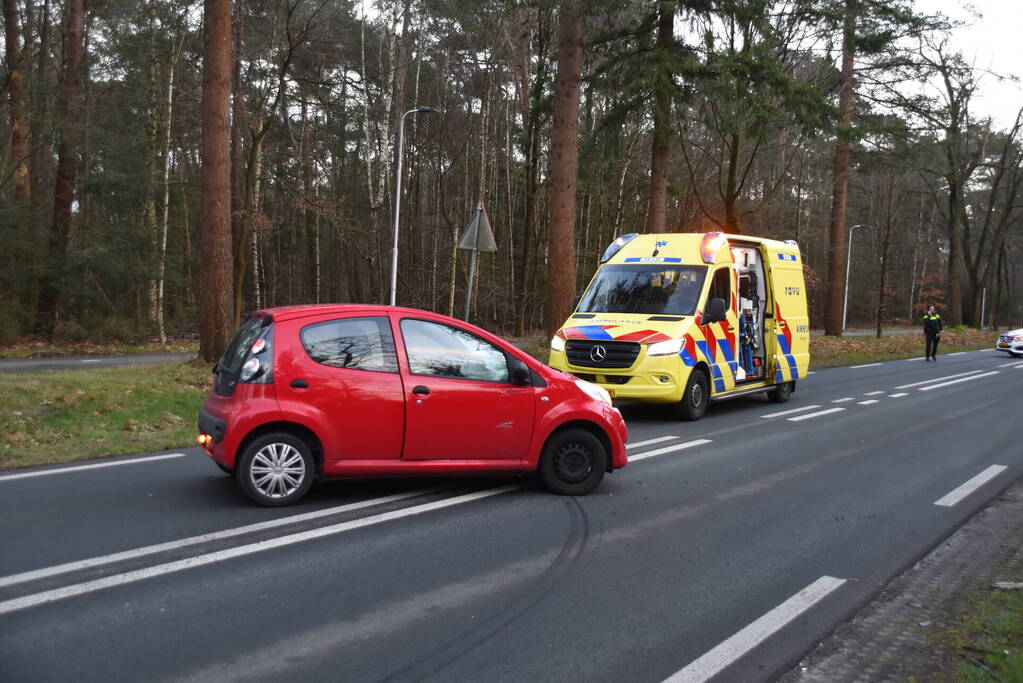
x=427, y=110
x=863, y=225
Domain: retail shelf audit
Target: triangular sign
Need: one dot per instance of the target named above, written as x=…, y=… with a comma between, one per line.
x=478, y=235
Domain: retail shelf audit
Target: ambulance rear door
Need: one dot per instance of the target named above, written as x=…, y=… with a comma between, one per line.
x=787, y=329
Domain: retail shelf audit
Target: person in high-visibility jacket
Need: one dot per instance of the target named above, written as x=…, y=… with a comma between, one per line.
x=932, y=332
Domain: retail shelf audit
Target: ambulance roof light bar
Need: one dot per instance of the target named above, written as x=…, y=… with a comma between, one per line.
x=615, y=246
x=712, y=242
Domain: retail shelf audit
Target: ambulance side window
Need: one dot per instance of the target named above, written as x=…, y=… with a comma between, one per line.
x=721, y=286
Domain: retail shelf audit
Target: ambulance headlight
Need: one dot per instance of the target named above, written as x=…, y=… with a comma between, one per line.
x=594, y=392
x=557, y=343
x=1019, y=338
x=665, y=348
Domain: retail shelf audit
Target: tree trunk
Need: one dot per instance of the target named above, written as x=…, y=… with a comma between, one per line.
x=64, y=188
x=19, y=121
x=836, y=243
x=162, y=256
x=564, y=166
x=215, y=274
x=660, y=148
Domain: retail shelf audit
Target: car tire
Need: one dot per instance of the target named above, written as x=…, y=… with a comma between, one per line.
x=781, y=392
x=573, y=462
x=275, y=469
x=695, y=398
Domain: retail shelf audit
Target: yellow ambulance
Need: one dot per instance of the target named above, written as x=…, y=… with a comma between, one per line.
x=686, y=319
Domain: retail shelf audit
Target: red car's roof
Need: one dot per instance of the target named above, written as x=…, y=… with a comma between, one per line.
x=292, y=312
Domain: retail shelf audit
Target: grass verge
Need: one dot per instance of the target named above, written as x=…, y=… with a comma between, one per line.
x=986, y=634
x=53, y=417
x=829, y=352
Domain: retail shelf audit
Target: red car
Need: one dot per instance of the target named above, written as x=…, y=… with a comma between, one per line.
x=344, y=391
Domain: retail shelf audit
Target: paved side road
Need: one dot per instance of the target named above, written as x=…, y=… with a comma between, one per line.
x=80, y=362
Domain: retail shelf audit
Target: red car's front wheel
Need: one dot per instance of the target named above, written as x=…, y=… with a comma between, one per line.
x=573, y=462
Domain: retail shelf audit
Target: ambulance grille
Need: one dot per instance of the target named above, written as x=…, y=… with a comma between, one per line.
x=617, y=354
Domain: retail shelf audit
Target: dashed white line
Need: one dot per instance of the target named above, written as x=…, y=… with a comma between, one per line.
x=957, y=381
x=1015, y=364
x=94, y=466
x=868, y=402
x=92, y=360
x=912, y=359
x=668, y=449
x=867, y=365
x=873, y=393
x=650, y=441
x=956, y=495
x=14, y=579
x=959, y=353
x=810, y=373
x=817, y=414
x=724, y=654
x=790, y=412
x=937, y=379
x=36, y=599
x=843, y=400
x=898, y=395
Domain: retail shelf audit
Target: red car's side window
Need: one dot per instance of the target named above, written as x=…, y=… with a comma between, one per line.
x=352, y=343
x=439, y=350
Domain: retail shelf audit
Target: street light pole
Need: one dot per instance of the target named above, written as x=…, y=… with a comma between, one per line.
x=397, y=197
x=848, y=257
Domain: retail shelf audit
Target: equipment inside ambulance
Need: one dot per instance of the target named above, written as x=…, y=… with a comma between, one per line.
x=686, y=319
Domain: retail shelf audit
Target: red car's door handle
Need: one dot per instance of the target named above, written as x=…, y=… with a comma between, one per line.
x=299, y=384
x=421, y=390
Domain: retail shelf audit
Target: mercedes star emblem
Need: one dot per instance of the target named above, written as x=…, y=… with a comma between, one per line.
x=598, y=353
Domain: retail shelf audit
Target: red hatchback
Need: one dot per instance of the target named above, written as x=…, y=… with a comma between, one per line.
x=344, y=391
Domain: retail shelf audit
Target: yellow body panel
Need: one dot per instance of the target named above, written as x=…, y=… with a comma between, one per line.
x=714, y=346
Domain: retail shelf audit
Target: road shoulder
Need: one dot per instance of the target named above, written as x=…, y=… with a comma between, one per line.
x=893, y=637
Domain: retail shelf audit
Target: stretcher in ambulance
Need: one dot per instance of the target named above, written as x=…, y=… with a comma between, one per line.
x=686, y=319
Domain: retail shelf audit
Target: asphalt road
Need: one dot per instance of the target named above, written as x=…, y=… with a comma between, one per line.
x=81, y=362
x=729, y=546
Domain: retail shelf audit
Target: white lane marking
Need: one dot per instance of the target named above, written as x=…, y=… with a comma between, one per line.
x=957, y=381
x=99, y=561
x=817, y=414
x=873, y=393
x=790, y=412
x=92, y=360
x=717, y=659
x=1017, y=367
x=955, y=354
x=867, y=365
x=843, y=400
x=898, y=395
x=1015, y=363
x=76, y=468
x=36, y=599
x=868, y=402
x=912, y=359
x=668, y=449
x=937, y=379
x=811, y=372
x=650, y=441
x=956, y=495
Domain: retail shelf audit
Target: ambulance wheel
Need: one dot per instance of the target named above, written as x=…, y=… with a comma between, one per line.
x=1015, y=355
x=782, y=392
x=695, y=398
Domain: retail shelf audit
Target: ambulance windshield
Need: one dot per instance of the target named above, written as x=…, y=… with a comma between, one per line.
x=644, y=289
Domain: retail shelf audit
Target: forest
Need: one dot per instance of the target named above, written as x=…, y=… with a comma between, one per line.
x=168, y=166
